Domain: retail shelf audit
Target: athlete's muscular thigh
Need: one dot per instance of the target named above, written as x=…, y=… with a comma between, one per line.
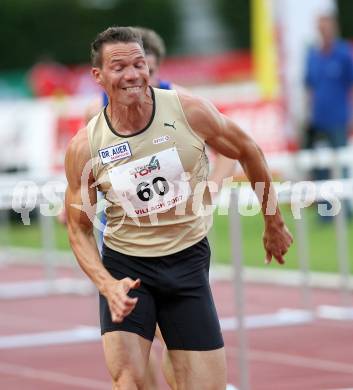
x=196, y=370
x=126, y=355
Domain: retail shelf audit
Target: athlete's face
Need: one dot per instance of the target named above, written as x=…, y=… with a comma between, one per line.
x=124, y=73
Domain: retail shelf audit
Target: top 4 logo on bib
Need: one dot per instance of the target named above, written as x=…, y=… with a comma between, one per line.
x=151, y=184
x=147, y=169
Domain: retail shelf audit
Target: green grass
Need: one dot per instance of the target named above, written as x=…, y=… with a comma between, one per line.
x=19, y=235
x=321, y=238
x=323, y=252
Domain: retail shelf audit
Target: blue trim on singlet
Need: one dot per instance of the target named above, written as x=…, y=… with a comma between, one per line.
x=105, y=99
x=164, y=84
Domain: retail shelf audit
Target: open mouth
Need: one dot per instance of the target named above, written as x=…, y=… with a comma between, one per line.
x=132, y=89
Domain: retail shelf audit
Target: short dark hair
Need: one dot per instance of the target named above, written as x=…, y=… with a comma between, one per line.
x=152, y=43
x=112, y=35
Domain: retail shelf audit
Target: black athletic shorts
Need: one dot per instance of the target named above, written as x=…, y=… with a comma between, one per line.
x=174, y=292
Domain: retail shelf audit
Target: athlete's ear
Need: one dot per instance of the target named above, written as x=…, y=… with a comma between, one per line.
x=97, y=74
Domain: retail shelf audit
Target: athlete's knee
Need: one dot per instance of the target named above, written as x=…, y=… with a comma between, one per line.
x=201, y=382
x=205, y=370
x=127, y=378
x=216, y=378
x=168, y=370
x=214, y=384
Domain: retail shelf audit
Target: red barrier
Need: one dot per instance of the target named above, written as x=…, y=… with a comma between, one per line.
x=263, y=120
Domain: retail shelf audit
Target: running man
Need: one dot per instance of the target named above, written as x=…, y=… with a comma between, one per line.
x=145, y=152
x=223, y=167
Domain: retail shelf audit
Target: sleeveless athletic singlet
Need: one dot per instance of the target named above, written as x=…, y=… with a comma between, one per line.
x=154, y=181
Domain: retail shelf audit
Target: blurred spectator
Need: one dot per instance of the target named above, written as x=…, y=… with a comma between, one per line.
x=48, y=78
x=329, y=81
x=154, y=48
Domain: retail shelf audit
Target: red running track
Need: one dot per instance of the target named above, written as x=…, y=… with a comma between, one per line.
x=312, y=356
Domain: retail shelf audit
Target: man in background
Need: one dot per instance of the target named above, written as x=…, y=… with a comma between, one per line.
x=329, y=81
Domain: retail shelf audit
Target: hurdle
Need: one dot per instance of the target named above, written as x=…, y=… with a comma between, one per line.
x=240, y=198
x=24, y=193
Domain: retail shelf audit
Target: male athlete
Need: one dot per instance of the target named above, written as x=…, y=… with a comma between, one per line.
x=145, y=152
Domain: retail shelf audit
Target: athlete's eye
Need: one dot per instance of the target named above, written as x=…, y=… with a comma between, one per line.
x=139, y=65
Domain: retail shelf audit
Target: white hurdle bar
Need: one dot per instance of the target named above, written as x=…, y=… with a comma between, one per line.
x=237, y=255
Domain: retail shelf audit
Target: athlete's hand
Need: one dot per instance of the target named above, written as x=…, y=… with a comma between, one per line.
x=120, y=304
x=276, y=239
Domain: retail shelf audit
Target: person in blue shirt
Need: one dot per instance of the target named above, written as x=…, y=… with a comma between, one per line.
x=329, y=82
x=155, y=53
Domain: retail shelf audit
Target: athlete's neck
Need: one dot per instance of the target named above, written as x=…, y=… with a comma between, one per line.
x=130, y=119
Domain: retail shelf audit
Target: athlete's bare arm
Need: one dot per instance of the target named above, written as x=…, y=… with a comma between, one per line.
x=223, y=168
x=227, y=138
x=80, y=229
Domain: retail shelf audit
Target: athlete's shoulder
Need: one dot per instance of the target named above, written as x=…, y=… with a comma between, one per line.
x=93, y=109
x=78, y=162
x=202, y=116
x=80, y=138
x=196, y=107
x=79, y=146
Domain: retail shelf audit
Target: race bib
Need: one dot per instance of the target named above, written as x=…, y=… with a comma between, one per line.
x=152, y=184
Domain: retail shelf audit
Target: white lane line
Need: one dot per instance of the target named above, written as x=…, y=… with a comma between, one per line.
x=19, y=321
x=52, y=376
x=90, y=333
x=44, y=288
x=284, y=317
x=76, y=335
x=330, y=312
x=313, y=363
x=292, y=360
